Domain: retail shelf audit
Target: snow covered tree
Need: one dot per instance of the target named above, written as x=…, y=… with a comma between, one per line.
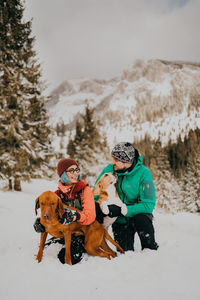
x=24, y=135
x=73, y=146
x=176, y=171
x=190, y=182
x=88, y=146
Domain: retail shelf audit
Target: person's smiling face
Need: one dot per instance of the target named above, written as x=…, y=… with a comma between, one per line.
x=72, y=173
x=120, y=165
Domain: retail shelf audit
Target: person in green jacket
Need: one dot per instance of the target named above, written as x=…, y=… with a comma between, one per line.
x=137, y=191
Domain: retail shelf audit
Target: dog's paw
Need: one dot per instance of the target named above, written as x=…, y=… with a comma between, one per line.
x=104, y=208
x=114, y=254
x=38, y=259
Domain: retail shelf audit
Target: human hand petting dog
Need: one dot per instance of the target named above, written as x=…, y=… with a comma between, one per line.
x=116, y=211
x=69, y=216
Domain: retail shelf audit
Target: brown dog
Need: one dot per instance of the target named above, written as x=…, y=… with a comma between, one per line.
x=95, y=244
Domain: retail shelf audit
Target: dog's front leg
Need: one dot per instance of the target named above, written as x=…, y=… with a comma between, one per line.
x=107, y=221
x=104, y=207
x=67, y=237
x=43, y=238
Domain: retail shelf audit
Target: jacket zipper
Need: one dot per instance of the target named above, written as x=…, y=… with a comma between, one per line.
x=121, y=188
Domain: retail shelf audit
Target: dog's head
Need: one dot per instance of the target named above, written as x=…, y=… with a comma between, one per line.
x=104, y=182
x=50, y=205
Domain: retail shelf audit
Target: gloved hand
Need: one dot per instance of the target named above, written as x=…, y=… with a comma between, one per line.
x=69, y=216
x=116, y=211
x=38, y=226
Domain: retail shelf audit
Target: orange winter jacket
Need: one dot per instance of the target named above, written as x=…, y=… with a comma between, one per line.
x=79, y=195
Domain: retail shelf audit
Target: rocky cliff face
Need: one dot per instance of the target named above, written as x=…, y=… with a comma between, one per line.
x=154, y=97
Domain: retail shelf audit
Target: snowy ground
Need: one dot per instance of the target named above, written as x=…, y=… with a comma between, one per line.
x=172, y=272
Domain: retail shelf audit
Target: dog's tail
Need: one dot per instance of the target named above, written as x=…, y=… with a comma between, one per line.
x=107, y=235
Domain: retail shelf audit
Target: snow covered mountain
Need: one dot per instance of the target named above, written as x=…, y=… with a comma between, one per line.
x=154, y=97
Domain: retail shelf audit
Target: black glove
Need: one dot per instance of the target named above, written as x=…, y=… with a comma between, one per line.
x=114, y=210
x=69, y=216
x=38, y=226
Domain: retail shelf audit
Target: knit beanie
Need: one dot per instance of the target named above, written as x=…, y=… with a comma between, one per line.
x=64, y=164
x=124, y=152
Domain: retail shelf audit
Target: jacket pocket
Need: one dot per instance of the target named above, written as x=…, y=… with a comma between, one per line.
x=148, y=189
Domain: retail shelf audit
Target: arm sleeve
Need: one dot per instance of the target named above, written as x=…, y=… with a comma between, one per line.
x=147, y=197
x=88, y=214
x=138, y=208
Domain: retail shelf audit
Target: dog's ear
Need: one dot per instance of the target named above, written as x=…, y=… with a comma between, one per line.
x=60, y=208
x=37, y=205
x=100, y=184
x=97, y=188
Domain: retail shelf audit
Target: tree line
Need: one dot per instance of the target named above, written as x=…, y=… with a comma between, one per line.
x=176, y=170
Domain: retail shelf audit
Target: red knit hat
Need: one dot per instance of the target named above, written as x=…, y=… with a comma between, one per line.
x=64, y=164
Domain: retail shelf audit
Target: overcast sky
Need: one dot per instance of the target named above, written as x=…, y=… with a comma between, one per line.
x=101, y=38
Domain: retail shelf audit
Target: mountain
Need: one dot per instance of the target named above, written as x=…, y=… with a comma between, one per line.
x=155, y=97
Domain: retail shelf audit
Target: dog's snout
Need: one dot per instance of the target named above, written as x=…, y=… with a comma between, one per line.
x=46, y=217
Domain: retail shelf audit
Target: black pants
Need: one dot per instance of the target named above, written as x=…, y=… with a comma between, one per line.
x=77, y=248
x=142, y=224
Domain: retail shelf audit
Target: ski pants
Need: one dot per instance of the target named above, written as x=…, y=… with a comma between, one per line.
x=142, y=224
x=77, y=249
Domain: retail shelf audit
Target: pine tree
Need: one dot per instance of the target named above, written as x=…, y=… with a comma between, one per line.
x=88, y=147
x=145, y=148
x=167, y=187
x=24, y=134
x=74, y=145
x=190, y=183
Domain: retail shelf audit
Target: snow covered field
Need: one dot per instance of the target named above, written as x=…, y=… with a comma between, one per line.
x=170, y=273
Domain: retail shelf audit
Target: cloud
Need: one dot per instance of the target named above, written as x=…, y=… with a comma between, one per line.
x=99, y=38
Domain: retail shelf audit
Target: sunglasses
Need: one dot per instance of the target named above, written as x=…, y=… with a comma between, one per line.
x=72, y=171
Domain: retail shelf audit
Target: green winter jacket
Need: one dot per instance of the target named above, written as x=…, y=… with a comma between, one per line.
x=135, y=188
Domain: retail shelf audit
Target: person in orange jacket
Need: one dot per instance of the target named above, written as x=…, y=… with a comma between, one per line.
x=74, y=192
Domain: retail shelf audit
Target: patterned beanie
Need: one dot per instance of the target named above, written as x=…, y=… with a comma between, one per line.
x=124, y=152
x=64, y=164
